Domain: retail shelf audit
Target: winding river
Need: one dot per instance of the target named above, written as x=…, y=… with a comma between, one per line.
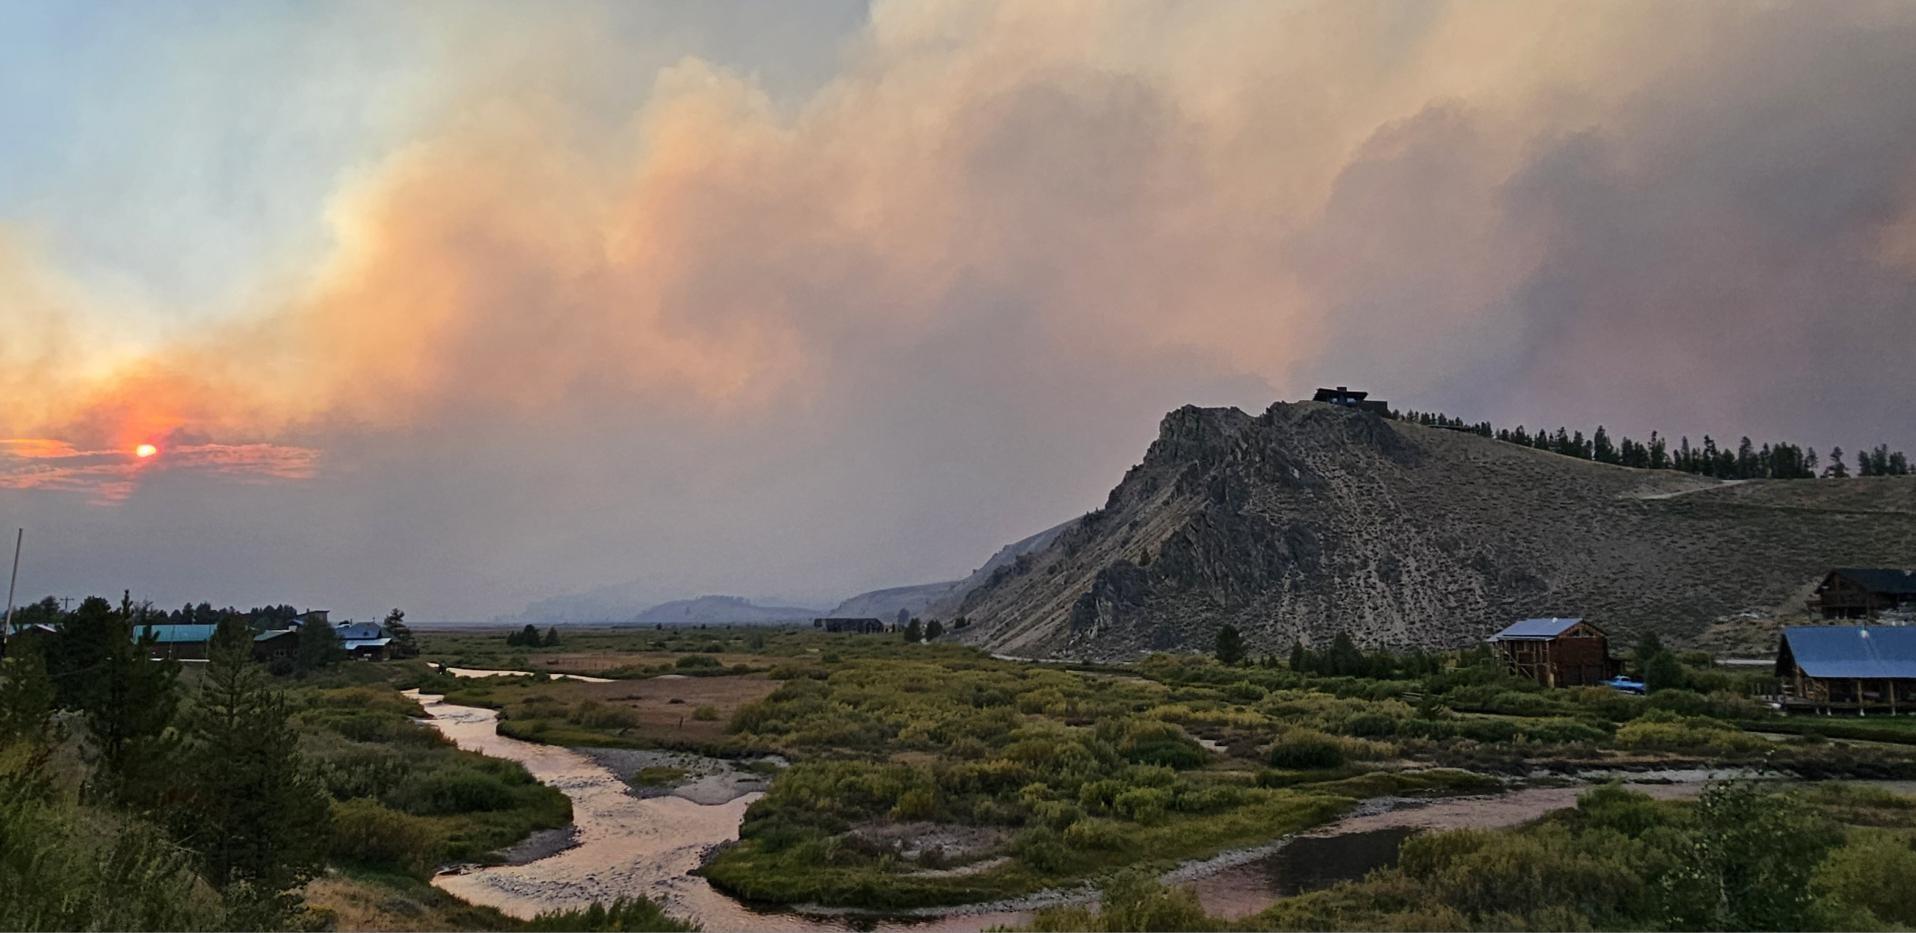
x=626, y=846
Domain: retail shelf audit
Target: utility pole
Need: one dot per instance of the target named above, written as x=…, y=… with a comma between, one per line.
x=6, y=628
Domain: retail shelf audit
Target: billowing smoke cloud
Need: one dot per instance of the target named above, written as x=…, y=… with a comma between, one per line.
x=730, y=342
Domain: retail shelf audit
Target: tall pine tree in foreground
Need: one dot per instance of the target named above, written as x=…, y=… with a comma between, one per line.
x=257, y=820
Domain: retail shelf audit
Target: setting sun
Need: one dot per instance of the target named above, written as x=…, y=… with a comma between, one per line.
x=145, y=450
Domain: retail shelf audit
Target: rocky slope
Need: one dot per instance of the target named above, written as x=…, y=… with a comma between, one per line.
x=941, y=600
x=1311, y=519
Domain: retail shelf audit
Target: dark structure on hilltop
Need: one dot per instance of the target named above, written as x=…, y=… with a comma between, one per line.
x=1556, y=652
x=1352, y=398
x=1864, y=593
x=855, y=626
x=1848, y=667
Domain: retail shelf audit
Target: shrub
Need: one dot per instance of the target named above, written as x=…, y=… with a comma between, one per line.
x=1307, y=750
x=1102, y=835
x=596, y=715
x=1041, y=848
x=706, y=713
x=457, y=790
x=368, y=832
x=1152, y=742
x=637, y=915
x=1371, y=725
x=1872, y=872
x=695, y=662
x=1142, y=804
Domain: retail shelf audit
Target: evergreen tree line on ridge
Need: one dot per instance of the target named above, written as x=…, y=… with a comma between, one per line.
x=1780, y=460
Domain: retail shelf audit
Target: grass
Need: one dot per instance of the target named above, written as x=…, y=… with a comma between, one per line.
x=659, y=776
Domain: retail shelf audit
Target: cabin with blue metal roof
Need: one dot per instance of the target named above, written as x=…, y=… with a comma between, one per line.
x=179, y=642
x=1556, y=652
x=1848, y=668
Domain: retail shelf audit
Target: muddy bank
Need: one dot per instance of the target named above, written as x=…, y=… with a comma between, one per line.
x=478, y=672
x=704, y=780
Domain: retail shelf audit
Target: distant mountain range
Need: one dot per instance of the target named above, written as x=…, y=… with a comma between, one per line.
x=721, y=609
x=634, y=603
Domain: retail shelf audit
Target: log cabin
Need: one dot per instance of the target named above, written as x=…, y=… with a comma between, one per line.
x=1847, y=668
x=1864, y=592
x=1556, y=652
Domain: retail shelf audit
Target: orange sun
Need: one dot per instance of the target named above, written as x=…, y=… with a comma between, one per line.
x=145, y=450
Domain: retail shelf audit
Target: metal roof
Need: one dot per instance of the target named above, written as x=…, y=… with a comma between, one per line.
x=1535, y=628
x=275, y=633
x=357, y=643
x=354, y=631
x=176, y=634
x=1881, y=580
x=1865, y=652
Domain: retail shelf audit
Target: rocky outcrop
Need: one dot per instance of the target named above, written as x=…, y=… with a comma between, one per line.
x=1311, y=519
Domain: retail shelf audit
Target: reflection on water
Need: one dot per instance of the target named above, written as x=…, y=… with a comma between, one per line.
x=480, y=672
x=1307, y=863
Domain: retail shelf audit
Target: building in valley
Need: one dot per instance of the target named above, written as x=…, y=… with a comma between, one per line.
x=1556, y=652
x=1864, y=593
x=179, y=642
x=367, y=649
x=1860, y=668
x=276, y=645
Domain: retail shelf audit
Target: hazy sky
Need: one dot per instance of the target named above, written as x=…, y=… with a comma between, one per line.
x=453, y=306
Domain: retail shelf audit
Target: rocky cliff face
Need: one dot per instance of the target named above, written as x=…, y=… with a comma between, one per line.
x=1311, y=519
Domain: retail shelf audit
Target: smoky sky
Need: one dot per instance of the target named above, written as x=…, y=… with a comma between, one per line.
x=797, y=332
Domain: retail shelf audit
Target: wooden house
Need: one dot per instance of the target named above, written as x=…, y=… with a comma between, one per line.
x=1352, y=398
x=179, y=642
x=1556, y=652
x=276, y=645
x=1848, y=667
x=1864, y=592
x=367, y=649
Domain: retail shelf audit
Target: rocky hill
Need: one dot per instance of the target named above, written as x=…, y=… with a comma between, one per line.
x=1311, y=519
x=941, y=599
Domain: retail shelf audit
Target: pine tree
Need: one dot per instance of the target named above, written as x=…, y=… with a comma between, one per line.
x=933, y=629
x=552, y=637
x=1230, y=645
x=1837, y=468
x=131, y=710
x=1601, y=448
x=318, y=647
x=914, y=632
x=404, y=644
x=1300, y=660
x=1343, y=659
x=257, y=820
